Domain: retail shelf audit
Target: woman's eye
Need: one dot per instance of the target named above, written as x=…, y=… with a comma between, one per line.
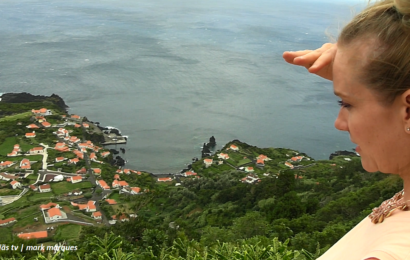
x=343, y=104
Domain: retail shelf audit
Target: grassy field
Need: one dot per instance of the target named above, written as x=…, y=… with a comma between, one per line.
x=115, y=196
x=7, y=192
x=15, y=205
x=26, y=216
x=16, y=117
x=7, y=146
x=65, y=187
x=6, y=234
x=68, y=232
x=40, y=197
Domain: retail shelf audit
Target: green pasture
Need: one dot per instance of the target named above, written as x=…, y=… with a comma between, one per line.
x=7, y=146
x=67, y=232
x=16, y=117
x=65, y=186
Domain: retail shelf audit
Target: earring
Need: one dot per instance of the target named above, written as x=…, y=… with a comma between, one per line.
x=408, y=129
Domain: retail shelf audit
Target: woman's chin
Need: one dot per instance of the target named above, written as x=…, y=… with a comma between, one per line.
x=369, y=167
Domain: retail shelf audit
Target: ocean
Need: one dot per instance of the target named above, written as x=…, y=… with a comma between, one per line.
x=172, y=73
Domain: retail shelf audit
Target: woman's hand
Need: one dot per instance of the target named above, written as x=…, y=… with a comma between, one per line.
x=317, y=61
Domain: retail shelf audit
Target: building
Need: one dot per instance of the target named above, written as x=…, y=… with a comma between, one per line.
x=32, y=126
x=208, y=162
x=105, y=154
x=97, y=171
x=190, y=173
x=234, y=147
x=25, y=164
x=75, y=179
x=4, y=222
x=36, y=150
x=249, y=169
x=44, y=188
x=33, y=235
x=60, y=159
x=223, y=156
x=135, y=190
x=6, y=164
x=15, y=184
x=103, y=184
x=46, y=124
x=164, y=179
x=31, y=135
x=96, y=215
x=289, y=165
x=56, y=214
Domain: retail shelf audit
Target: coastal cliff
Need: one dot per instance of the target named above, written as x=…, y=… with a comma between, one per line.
x=27, y=97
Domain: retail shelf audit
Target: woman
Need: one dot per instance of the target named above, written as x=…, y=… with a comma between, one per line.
x=370, y=70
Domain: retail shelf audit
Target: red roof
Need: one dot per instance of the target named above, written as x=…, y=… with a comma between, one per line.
x=55, y=212
x=44, y=186
x=39, y=234
x=4, y=221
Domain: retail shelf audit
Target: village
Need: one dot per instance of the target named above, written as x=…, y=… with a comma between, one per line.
x=53, y=176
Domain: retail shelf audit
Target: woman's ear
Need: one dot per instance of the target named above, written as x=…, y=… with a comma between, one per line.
x=405, y=104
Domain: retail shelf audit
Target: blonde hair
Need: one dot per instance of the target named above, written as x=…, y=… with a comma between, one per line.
x=387, y=70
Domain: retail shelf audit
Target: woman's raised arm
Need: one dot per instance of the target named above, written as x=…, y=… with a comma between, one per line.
x=317, y=61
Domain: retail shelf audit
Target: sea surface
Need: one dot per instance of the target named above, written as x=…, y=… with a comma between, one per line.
x=172, y=73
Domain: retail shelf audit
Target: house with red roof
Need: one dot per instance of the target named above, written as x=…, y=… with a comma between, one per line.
x=49, y=206
x=44, y=188
x=25, y=164
x=208, y=162
x=190, y=173
x=61, y=147
x=102, y=184
x=119, y=184
x=85, y=125
x=15, y=184
x=32, y=126
x=31, y=135
x=15, y=152
x=33, y=235
x=223, y=156
x=32, y=187
x=127, y=171
x=75, y=179
x=46, y=124
x=135, y=190
x=234, y=147
x=76, y=117
x=111, y=201
x=105, y=154
x=36, y=150
x=4, y=222
x=78, y=153
x=6, y=164
x=260, y=163
x=73, y=161
x=165, y=179
x=97, y=171
x=249, y=169
x=122, y=218
x=89, y=207
x=82, y=171
x=116, y=176
x=289, y=165
x=96, y=215
x=60, y=159
x=296, y=158
x=56, y=214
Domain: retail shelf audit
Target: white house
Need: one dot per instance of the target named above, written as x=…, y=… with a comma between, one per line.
x=15, y=184
x=208, y=162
